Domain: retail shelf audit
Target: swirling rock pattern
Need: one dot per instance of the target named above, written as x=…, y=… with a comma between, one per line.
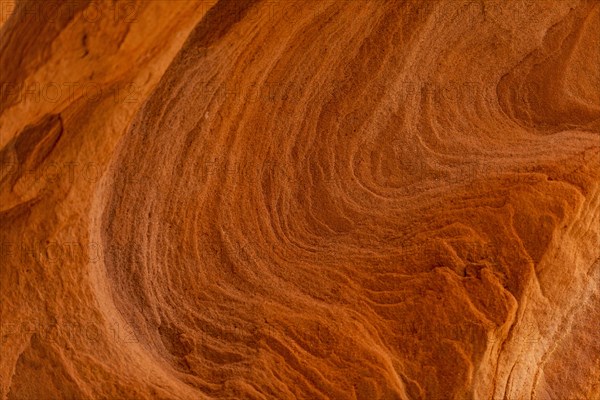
x=333, y=199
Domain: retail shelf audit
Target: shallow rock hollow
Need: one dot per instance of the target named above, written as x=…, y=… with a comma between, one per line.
x=332, y=199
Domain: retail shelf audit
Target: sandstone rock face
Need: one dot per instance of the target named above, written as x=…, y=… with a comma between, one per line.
x=333, y=199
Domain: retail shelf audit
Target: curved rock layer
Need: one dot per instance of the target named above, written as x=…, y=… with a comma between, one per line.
x=300, y=199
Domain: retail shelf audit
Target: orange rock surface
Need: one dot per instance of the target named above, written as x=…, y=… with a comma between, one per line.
x=332, y=199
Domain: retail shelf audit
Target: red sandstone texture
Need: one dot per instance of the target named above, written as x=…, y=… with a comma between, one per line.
x=333, y=199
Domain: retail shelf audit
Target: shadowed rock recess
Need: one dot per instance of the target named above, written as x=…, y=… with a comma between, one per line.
x=280, y=199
